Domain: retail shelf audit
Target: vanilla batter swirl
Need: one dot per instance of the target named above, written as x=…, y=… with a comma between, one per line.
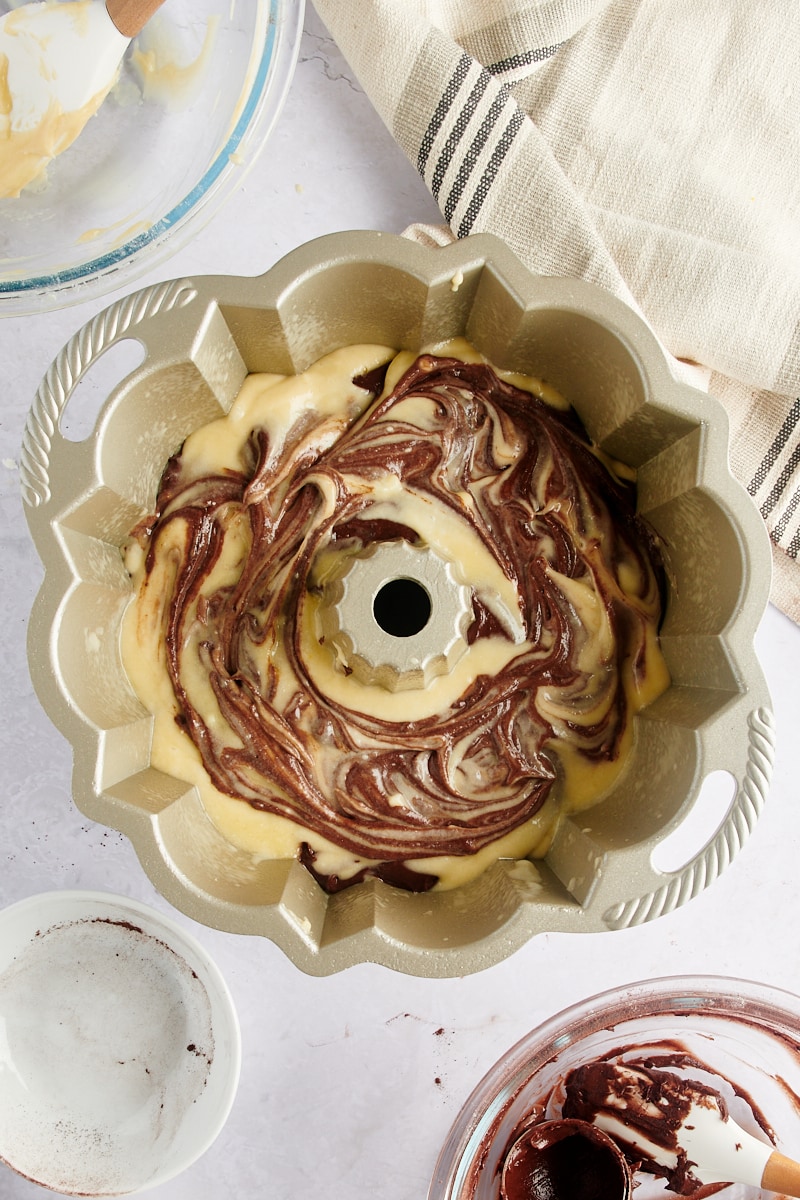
x=562, y=648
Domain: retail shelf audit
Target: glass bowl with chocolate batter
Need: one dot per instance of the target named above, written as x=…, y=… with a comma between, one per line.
x=738, y=1038
x=399, y=604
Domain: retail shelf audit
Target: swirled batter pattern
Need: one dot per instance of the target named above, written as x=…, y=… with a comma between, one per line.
x=226, y=635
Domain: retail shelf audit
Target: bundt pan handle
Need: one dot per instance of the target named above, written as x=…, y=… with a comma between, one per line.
x=712, y=860
x=46, y=454
x=79, y=519
x=201, y=337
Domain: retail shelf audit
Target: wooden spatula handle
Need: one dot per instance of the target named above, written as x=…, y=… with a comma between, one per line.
x=781, y=1175
x=131, y=16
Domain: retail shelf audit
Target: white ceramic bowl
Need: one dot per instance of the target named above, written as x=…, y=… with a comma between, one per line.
x=170, y=143
x=120, y=1048
x=746, y=1035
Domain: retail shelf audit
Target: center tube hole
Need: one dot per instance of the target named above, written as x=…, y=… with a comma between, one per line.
x=402, y=607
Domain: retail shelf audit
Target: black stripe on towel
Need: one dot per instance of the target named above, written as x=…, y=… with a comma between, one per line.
x=787, y=514
x=500, y=123
x=457, y=132
x=779, y=487
x=508, y=66
x=488, y=177
x=441, y=110
x=771, y=457
x=471, y=157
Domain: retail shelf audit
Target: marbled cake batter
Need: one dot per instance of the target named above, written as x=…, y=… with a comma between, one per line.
x=291, y=752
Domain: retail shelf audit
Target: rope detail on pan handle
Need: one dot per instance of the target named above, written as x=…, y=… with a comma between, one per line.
x=72, y=363
x=714, y=858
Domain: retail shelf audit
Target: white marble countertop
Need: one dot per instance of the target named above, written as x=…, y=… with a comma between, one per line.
x=349, y=1085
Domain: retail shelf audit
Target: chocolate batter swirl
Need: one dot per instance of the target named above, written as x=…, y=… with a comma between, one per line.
x=244, y=552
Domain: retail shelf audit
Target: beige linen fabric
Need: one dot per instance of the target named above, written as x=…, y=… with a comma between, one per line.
x=651, y=147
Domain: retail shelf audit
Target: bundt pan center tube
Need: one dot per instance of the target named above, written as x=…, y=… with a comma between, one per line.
x=202, y=338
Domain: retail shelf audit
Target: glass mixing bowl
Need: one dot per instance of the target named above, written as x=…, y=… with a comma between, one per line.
x=199, y=92
x=746, y=1035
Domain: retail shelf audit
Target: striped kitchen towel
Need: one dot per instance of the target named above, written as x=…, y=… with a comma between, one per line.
x=650, y=147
